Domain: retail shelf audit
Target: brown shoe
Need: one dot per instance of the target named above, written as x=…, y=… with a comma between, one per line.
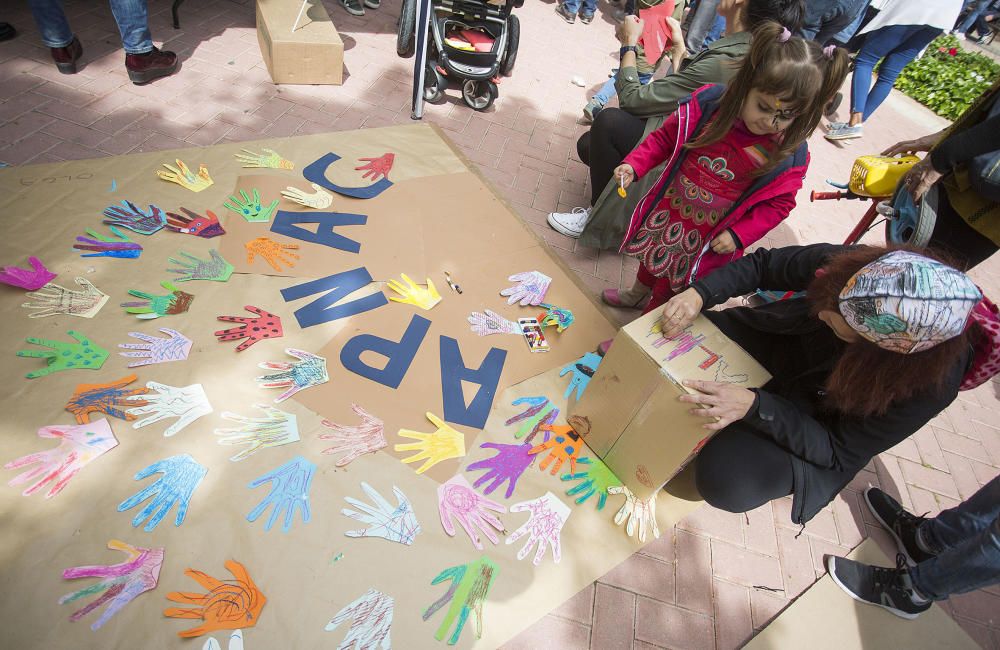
x=66, y=57
x=143, y=68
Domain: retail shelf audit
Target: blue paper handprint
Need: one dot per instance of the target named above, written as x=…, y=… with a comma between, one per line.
x=181, y=476
x=583, y=369
x=289, y=490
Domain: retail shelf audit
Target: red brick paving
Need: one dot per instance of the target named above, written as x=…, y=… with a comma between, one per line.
x=699, y=586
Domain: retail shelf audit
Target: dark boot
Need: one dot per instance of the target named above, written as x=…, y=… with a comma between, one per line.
x=143, y=68
x=66, y=57
x=7, y=31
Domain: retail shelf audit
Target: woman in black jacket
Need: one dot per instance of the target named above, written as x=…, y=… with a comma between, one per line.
x=877, y=348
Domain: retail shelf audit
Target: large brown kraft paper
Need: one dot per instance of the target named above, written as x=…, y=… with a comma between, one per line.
x=39, y=538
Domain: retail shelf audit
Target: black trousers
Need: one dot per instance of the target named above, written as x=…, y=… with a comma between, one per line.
x=958, y=239
x=614, y=134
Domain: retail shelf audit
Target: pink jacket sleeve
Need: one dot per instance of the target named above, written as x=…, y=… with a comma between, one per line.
x=763, y=218
x=655, y=149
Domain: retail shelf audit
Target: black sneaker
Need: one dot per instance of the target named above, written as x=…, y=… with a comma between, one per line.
x=373, y=4
x=899, y=522
x=564, y=12
x=890, y=589
x=586, y=18
x=353, y=7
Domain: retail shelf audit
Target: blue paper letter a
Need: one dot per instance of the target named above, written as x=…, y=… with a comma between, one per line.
x=453, y=372
x=286, y=223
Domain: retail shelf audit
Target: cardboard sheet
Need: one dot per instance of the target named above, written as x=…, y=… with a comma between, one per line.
x=826, y=618
x=48, y=205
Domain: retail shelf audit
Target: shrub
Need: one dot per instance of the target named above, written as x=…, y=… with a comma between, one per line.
x=947, y=79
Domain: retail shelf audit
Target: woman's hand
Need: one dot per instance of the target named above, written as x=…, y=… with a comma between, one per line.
x=913, y=146
x=920, y=178
x=723, y=243
x=724, y=402
x=624, y=174
x=680, y=311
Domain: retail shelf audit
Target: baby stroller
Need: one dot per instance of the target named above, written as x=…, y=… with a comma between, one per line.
x=472, y=41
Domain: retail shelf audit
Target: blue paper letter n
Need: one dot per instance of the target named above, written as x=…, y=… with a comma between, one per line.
x=325, y=308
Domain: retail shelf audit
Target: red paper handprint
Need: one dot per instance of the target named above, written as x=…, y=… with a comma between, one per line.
x=376, y=167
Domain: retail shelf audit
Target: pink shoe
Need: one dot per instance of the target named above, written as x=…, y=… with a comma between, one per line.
x=604, y=346
x=613, y=297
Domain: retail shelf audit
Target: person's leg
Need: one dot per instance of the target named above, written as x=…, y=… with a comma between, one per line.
x=913, y=41
x=740, y=469
x=52, y=23
x=970, y=565
x=583, y=148
x=717, y=30
x=567, y=9
x=955, y=526
x=587, y=11
x=954, y=235
x=974, y=13
x=701, y=22
x=606, y=92
x=132, y=17
x=844, y=36
x=614, y=134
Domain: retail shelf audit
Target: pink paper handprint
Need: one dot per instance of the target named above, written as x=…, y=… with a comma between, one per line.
x=457, y=500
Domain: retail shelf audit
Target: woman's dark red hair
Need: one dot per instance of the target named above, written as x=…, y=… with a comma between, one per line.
x=867, y=379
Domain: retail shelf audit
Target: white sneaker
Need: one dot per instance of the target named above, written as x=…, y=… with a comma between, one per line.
x=570, y=224
x=959, y=35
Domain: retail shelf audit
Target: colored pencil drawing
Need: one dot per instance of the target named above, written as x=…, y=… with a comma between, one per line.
x=276, y=428
x=309, y=370
x=467, y=593
x=154, y=349
x=506, y=466
x=290, y=485
x=356, y=440
x=396, y=524
x=187, y=404
x=79, y=445
x=546, y=517
x=539, y=412
x=110, y=398
x=432, y=448
x=457, y=500
x=227, y=605
x=371, y=619
x=181, y=476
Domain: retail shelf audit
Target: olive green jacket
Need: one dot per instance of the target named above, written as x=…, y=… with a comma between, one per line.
x=718, y=63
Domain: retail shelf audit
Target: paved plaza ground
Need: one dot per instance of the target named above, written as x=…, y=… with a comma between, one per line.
x=699, y=586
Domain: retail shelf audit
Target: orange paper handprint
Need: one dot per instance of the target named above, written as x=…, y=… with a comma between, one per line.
x=228, y=605
x=273, y=253
x=109, y=398
x=564, y=445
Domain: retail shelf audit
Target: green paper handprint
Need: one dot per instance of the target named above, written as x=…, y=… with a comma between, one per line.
x=250, y=208
x=193, y=268
x=153, y=306
x=595, y=479
x=82, y=355
x=470, y=584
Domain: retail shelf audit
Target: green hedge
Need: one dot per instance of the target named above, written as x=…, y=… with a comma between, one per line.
x=947, y=79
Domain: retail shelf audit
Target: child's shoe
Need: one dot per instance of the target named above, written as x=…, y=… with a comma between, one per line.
x=373, y=4
x=631, y=299
x=353, y=7
x=591, y=110
x=564, y=12
x=586, y=18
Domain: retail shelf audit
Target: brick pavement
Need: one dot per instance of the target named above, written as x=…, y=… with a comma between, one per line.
x=716, y=578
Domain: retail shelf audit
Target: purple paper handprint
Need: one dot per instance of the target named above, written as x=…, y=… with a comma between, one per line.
x=129, y=215
x=507, y=465
x=457, y=500
x=32, y=280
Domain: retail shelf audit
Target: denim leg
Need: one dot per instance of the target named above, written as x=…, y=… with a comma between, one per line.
x=588, y=8
x=715, y=33
x=844, y=35
x=52, y=23
x=133, y=23
x=972, y=564
x=973, y=14
x=895, y=61
x=704, y=16
x=606, y=92
x=953, y=526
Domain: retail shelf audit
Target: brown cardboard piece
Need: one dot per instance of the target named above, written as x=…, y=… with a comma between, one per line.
x=826, y=618
x=50, y=204
x=638, y=427
x=312, y=54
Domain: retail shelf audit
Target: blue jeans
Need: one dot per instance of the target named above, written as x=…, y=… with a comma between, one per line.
x=825, y=20
x=700, y=24
x=897, y=45
x=608, y=91
x=588, y=9
x=970, y=18
x=717, y=30
x=131, y=16
x=967, y=540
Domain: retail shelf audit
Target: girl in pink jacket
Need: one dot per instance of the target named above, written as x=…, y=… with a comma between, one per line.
x=735, y=155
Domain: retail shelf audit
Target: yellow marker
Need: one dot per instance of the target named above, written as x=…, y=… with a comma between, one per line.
x=621, y=186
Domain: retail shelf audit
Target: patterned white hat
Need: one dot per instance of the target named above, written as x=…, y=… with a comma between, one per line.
x=905, y=302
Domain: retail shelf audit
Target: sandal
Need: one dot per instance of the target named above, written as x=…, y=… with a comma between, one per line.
x=613, y=297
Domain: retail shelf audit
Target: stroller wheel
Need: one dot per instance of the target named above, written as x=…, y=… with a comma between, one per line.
x=479, y=95
x=434, y=84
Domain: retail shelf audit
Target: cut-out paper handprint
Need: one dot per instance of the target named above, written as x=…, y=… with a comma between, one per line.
x=129, y=215
x=120, y=583
x=55, y=300
x=583, y=369
x=228, y=605
x=81, y=355
x=371, y=617
x=538, y=413
x=235, y=642
x=470, y=585
x=396, y=524
x=639, y=513
x=215, y=268
x=117, y=245
x=289, y=491
x=31, y=279
x=264, y=325
x=309, y=370
x=457, y=500
x=530, y=288
x=272, y=252
x=192, y=223
x=153, y=306
x=376, y=168
x=269, y=159
x=432, y=448
x=181, y=476
x=250, y=208
x=154, y=349
x=413, y=294
x=560, y=317
x=185, y=177
x=595, y=478
x=488, y=322
x=564, y=446
x=355, y=440
x=187, y=404
x=109, y=398
x=320, y=199
x=78, y=445
x=507, y=466
x=276, y=428
x=315, y=172
x=546, y=517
